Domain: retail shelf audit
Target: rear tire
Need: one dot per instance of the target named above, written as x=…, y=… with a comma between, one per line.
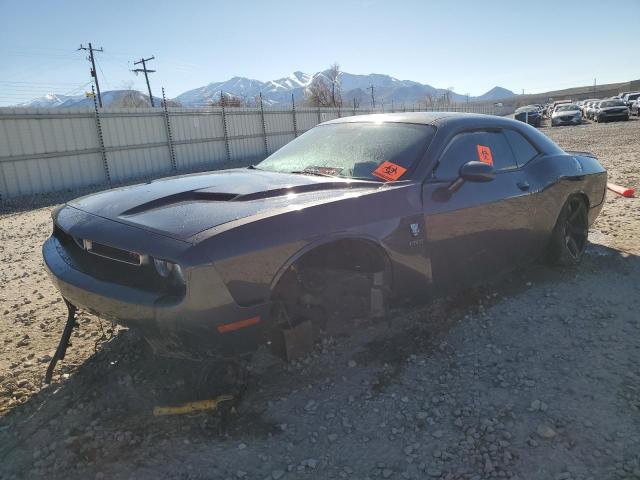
x=569, y=236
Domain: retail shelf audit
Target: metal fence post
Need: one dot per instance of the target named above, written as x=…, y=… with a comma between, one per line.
x=167, y=123
x=103, y=152
x=319, y=116
x=225, y=131
x=293, y=114
x=264, y=127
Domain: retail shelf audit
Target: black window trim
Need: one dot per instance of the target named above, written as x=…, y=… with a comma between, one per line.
x=523, y=135
x=433, y=179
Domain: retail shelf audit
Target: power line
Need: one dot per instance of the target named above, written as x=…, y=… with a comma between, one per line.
x=94, y=74
x=146, y=74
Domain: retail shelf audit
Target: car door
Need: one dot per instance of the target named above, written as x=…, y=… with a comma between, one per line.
x=481, y=229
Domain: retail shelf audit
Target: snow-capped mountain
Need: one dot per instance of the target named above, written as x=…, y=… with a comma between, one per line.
x=50, y=100
x=386, y=89
x=111, y=98
x=295, y=80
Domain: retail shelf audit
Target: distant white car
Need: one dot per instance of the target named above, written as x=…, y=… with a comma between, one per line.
x=629, y=98
x=566, y=114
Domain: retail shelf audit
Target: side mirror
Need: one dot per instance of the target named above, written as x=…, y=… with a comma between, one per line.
x=477, y=172
x=472, y=172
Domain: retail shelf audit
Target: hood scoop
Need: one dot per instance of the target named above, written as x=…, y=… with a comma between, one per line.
x=209, y=195
x=190, y=196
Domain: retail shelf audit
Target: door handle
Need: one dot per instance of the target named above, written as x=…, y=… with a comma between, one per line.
x=524, y=186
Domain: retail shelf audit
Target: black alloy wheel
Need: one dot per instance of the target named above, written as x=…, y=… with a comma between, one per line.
x=569, y=237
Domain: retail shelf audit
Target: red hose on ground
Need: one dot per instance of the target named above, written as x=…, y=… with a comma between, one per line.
x=625, y=192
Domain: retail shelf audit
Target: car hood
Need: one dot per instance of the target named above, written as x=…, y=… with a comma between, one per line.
x=566, y=112
x=180, y=207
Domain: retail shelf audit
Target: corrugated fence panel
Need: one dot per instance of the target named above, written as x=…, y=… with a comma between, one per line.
x=136, y=142
x=306, y=119
x=43, y=150
x=279, y=127
x=246, y=124
x=34, y=146
x=279, y=141
x=199, y=138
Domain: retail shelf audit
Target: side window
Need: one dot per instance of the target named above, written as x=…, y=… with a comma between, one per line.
x=468, y=147
x=522, y=149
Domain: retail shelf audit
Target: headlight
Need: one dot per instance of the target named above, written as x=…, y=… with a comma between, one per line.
x=166, y=269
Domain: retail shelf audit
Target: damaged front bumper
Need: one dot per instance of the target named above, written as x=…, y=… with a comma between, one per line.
x=202, y=321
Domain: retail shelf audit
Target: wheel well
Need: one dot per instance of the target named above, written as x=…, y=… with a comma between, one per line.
x=358, y=255
x=580, y=195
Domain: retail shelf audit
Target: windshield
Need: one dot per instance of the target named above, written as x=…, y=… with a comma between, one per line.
x=371, y=151
x=565, y=108
x=612, y=103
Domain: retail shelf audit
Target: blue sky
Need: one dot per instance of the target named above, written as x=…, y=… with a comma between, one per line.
x=465, y=44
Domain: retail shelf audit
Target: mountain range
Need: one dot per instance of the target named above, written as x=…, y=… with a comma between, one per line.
x=386, y=89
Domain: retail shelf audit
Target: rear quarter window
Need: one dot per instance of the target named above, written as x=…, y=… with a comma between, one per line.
x=522, y=148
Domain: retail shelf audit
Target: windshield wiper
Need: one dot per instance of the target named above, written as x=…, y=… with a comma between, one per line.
x=311, y=172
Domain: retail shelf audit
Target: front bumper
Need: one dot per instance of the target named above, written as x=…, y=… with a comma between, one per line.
x=614, y=116
x=184, y=326
x=566, y=121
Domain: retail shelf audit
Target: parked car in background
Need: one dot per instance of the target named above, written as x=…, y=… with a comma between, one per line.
x=614, y=109
x=566, y=114
x=585, y=104
x=590, y=108
x=635, y=108
x=629, y=98
x=529, y=114
x=558, y=102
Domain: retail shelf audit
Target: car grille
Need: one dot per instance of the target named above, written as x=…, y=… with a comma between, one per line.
x=566, y=118
x=113, y=265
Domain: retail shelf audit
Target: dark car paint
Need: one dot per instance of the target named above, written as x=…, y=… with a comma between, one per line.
x=530, y=116
x=234, y=247
x=612, y=113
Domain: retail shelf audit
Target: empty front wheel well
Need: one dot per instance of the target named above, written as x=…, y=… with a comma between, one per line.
x=356, y=255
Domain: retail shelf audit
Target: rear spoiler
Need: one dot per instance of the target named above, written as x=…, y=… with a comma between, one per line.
x=580, y=154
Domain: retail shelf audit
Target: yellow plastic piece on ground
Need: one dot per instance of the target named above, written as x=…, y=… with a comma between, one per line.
x=192, y=407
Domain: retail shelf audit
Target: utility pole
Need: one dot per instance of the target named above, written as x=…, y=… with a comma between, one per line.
x=373, y=98
x=467, y=97
x=594, y=88
x=94, y=74
x=146, y=74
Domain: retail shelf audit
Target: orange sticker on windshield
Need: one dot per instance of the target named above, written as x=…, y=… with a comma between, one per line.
x=484, y=154
x=389, y=171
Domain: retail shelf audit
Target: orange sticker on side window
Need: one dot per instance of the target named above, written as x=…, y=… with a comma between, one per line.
x=389, y=171
x=484, y=154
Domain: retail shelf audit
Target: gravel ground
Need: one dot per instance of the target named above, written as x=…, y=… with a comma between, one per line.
x=533, y=377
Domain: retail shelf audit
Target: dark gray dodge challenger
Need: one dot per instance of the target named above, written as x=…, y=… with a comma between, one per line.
x=389, y=206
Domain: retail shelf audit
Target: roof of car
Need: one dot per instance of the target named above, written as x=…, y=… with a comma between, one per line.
x=425, y=118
